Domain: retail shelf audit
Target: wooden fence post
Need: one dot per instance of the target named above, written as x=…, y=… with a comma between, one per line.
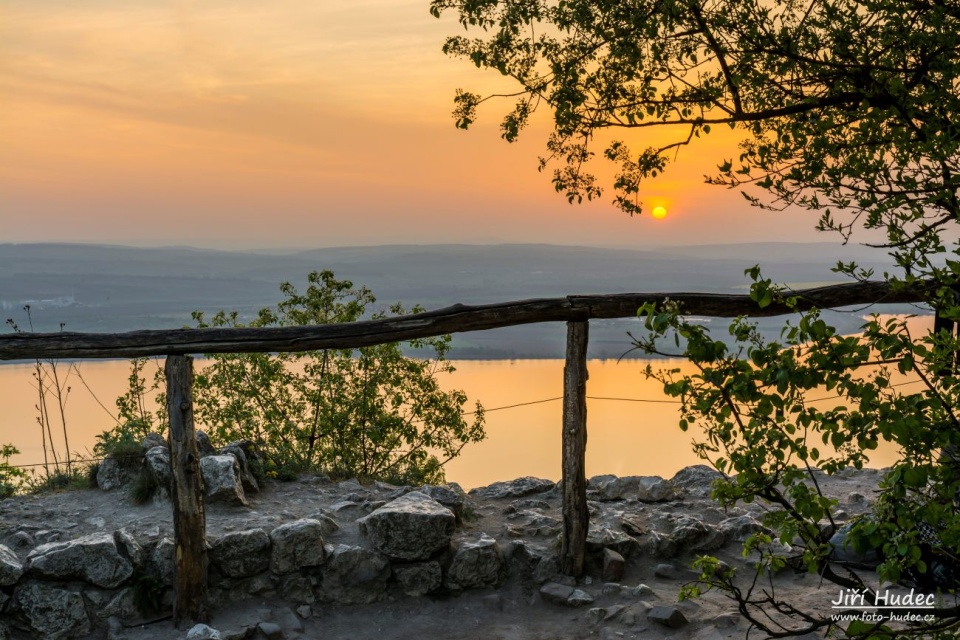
x=576, y=517
x=189, y=526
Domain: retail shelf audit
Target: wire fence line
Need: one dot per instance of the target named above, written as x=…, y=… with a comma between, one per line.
x=505, y=407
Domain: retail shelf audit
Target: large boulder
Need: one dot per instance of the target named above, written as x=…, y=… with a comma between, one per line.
x=513, y=488
x=450, y=495
x=412, y=527
x=156, y=462
x=476, y=564
x=247, y=478
x=600, y=537
x=10, y=567
x=162, y=560
x=696, y=480
x=204, y=446
x=295, y=545
x=354, y=575
x=242, y=553
x=221, y=477
x=642, y=488
x=94, y=559
x=152, y=440
x=53, y=612
x=113, y=474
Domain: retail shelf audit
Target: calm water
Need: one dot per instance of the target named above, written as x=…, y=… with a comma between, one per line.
x=625, y=437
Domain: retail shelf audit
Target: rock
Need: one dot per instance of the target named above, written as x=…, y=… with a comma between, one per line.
x=740, y=528
x=643, y=488
x=21, y=540
x=128, y=547
x=157, y=464
x=637, y=591
x=668, y=616
x=296, y=545
x=844, y=551
x=450, y=495
x=670, y=572
x=533, y=524
x=692, y=534
x=476, y=564
x=696, y=480
x=10, y=567
x=354, y=575
x=113, y=474
x=162, y=560
x=287, y=619
x=202, y=631
x=297, y=588
x=327, y=524
x=726, y=620
x=53, y=612
x=419, y=578
x=412, y=527
x=271, y=630
x=115, y=629
x=152, y=440
x=305, y=611
x=221, y=477
x=556, y=593
x=613, y=565
x=94, y=559
x=579, y=598
x=600, y=538
x=247, y=479
x=856, y=498
x=242, y=553
x=513, y=488
x=204, y=446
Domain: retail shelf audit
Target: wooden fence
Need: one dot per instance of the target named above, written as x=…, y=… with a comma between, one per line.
x=190, y=590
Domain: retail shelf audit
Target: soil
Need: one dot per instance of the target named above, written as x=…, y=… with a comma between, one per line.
x=516, y=611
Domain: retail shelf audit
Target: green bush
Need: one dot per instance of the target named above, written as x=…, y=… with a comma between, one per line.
x=370, y=412
x=11, y=478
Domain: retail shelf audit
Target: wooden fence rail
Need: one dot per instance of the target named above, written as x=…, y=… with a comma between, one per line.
x=458, y=318
x=187, y=493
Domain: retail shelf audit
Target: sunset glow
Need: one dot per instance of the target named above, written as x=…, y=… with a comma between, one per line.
x=294, y=123
x=659, y=213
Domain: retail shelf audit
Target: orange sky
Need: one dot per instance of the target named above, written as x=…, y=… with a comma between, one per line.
x=292, y=123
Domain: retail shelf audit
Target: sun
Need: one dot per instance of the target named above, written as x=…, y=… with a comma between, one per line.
x=659, y=213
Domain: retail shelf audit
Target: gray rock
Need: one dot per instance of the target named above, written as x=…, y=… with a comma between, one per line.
x=152, y=440
x=740, y=528
x=600, y=538
x=412, y=527
x=204, y=446
x=696, y=480
x=692, y=534
x=10, y=567
x=305, y=611
x=670, y=572
x=111, y=474
x=297, y=588
x=579, y=598
x=354, y=575
x=221, y=477
x=242, y=553
x=613, y=565
x=556, y=593
x=419, y=578
x=202, y=632
x=247, y=479
x=668, y=616
x=21, y=540
x=128, y=547
x=162, y=560
x=450, y=495
x=643, y=488
x=94, y=559
x=157, y=463
x=513, y=488
x=271, y=630
x=53, y=612
x=296, y=545
x=856, y=498
x=844, y=551
x=476, y=564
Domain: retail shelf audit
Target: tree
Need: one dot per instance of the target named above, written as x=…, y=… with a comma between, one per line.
x=846, y=108
x=369, y=412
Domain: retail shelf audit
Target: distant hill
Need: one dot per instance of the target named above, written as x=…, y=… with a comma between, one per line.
x=115, y=288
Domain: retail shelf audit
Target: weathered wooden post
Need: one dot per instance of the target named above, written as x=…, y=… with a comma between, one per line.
x=189, y=525
x=576, y=517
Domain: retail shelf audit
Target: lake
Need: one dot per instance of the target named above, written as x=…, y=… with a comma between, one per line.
x=632, y=426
